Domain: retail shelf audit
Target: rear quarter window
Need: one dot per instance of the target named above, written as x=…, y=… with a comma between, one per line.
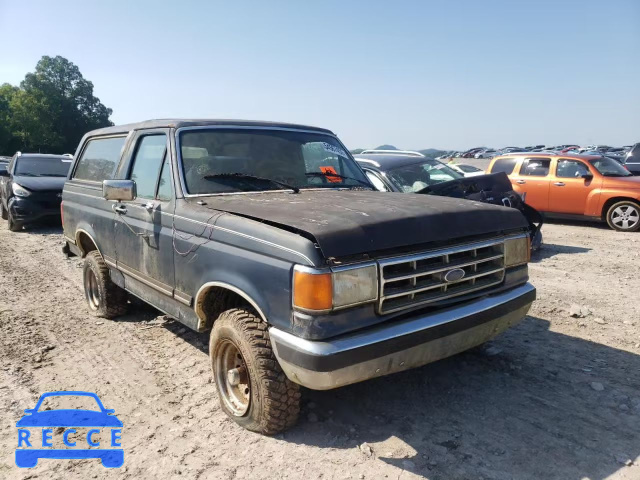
x=99, y=159
x=505, y=165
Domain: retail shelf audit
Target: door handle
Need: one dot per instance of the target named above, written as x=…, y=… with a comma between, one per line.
x=520, y=182
x=559, y=184
x=121, y=209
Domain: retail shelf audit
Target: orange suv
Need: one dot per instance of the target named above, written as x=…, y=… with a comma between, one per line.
x=575, y=186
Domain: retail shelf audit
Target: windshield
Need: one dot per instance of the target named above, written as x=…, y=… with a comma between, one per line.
x=610, y=168
x=224, y=160
x=43, y=166
x=416, y=177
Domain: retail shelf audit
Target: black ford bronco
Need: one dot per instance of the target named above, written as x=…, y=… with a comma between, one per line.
x=271, y=236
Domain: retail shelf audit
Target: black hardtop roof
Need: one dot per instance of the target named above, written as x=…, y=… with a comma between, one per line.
x=191, y=122
x=385, y=162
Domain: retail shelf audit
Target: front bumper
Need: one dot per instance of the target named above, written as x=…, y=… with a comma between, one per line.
x=399, y=345
x=27, y=210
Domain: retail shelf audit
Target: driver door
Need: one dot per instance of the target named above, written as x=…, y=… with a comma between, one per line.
x=144, y=234
x=568, y=189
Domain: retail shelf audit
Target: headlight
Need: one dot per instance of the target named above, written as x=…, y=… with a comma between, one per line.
x=517, y=251
x=19, y=191
x=325, y=290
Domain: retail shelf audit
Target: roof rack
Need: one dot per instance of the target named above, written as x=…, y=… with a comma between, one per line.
x=409, y=153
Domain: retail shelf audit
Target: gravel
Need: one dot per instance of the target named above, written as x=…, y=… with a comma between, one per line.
x=519, y=409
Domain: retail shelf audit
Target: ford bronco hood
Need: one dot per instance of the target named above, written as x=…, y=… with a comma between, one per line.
x=351, y=222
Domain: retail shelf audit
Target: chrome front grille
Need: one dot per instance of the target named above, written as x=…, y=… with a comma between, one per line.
x=415, y=280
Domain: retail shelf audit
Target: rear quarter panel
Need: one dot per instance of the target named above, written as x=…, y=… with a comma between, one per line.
x=86, y=211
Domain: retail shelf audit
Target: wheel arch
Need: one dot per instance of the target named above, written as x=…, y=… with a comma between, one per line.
x=86, y=242
x=215, y=297
x=610, y=201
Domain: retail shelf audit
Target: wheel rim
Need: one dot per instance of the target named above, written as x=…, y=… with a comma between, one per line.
x=625, y=217
x=91, y=289
x=232, y=378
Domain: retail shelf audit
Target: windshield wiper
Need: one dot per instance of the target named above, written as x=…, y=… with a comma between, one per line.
x=336, y=175
x=252, y=177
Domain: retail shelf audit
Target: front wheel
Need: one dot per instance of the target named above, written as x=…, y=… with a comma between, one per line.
x=253, y=389
x=624, y=216
x=105, y=298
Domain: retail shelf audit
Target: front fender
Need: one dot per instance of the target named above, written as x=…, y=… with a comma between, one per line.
x=263, y=281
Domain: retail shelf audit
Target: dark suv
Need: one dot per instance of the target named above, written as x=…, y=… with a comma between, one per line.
x=31, y=188
x=271, y=236
x=632, y=160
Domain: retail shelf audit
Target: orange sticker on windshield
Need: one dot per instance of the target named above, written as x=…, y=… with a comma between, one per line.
x=331, y=174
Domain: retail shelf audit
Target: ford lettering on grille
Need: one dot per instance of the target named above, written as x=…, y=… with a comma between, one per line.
x=429, y=277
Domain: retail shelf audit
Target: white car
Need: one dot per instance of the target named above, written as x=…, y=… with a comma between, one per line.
x=466, y=170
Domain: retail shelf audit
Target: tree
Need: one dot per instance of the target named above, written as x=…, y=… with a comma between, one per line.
x=53, y=108
x=7, y=140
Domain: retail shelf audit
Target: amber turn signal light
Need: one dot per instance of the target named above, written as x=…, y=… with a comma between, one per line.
x=312, y=291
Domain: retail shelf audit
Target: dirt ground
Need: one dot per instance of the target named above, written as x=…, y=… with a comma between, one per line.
x=557, y=397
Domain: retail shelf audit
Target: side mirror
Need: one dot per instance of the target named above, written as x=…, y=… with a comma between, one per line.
x=119, y=190
x=4, y=172
x=588, y=176
x=30, y=410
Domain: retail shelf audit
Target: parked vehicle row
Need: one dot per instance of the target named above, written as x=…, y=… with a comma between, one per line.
x=620, y=154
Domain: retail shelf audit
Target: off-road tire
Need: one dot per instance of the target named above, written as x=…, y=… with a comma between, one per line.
x=274, y=403
x=612, y=209
x=3, y=212
x=112, y=298
x=12, y=225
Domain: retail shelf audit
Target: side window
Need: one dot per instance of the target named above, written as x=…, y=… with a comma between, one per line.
x=505, y=165
x=147, y=162
x=99, y=159
x=571, y=169
x=376, y=181
x=535, y=167
x=165, y=192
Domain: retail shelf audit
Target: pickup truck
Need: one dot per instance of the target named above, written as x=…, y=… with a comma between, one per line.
x=271, y=236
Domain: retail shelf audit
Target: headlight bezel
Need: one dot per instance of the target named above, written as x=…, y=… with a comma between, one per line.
x=341, y=279
x=19, y=191
x=517, y=250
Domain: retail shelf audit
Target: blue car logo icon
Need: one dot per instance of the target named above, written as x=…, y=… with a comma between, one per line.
x=35, y=433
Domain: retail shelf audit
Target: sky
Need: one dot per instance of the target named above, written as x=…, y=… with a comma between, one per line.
x=414, y=74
